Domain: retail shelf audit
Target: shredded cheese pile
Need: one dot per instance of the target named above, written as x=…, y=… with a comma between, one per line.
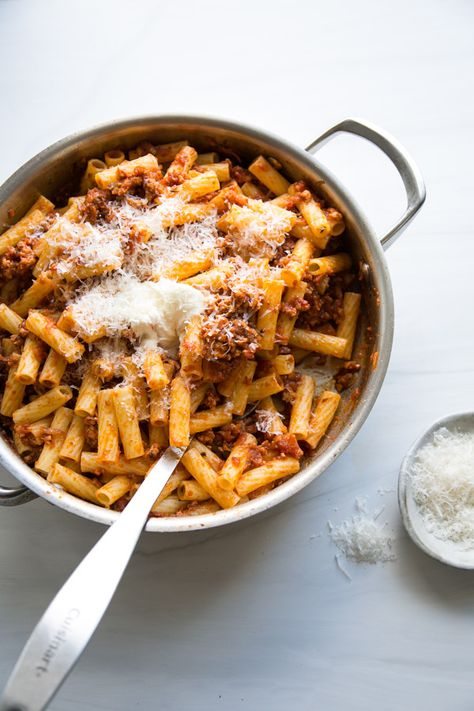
x=362, y=538
x=442, y=482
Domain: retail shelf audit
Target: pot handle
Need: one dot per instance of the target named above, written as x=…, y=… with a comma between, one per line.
x=15, y=497
x=407, y=168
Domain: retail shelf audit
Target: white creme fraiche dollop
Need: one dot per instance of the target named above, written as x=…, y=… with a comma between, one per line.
x=157, y=312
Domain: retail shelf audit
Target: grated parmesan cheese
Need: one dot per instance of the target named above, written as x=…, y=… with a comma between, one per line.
x=258, y=230
x=89, y=246
x=442, y=483
x=362, y=538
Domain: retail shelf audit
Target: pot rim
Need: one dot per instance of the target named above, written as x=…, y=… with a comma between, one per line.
x=13, y=463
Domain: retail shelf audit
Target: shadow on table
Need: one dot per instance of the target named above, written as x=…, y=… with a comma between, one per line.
x=447, y=586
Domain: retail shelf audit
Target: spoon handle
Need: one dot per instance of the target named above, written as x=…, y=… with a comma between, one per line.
x=69, y=622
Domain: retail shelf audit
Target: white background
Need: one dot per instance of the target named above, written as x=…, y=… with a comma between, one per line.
x=257, y=615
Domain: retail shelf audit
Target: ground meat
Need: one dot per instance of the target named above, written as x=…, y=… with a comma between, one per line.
x=255, y=457
x=241, y=175
x=90, y=433
x=215, y=371
x=294, y=306
x=291, y=383
x=38, y=436
x=228, y=338
x=223, y=439
x=282, y=252
x=97, y=206
x=323, y=307
x=287, y=445
x=207, y=437
x=179, y=168
x=149, y=184
x=345, y=375
x=18, y=261
x=211, y=399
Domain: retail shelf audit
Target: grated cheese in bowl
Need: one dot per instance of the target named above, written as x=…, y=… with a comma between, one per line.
x=442, y=486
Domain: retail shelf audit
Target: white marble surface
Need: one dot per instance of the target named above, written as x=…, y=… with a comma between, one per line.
x=257, y=615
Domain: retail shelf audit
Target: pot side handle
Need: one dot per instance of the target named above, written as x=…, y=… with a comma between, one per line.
x=407, y=168
x=15, y=497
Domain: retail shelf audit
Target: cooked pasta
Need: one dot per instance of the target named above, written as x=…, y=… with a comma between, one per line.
x=179, y=299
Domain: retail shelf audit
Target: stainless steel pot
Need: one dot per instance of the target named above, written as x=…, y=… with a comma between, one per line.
x=57, y=166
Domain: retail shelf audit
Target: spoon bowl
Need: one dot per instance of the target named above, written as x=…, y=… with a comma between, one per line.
x=446, y=551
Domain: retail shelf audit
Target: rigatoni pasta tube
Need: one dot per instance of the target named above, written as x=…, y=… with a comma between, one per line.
x=266, y=474
x=22, y=228
x=268, y=312
x=168, y=506
x=315, y=219
x=284, y=364
x=208, y=419
x=191, y=490
x=53, y=369
x=13, y=393
x=348, y=324
x=211, y=457
x=271, y=178
x=220, y=169
x=159, y=401
x=108, y=437
x=188, y=267
x=240, y=393
x=301, y=408
x=191, y=348
x=30, y=360
x=236, y=462
x=179, y=475
x=9, y=320
x=114, y=157
x=262, y=387
x=73, y=483
x=273, y=421
x=43, y=405
x=74, y=442
x=155, y=374
x=181, y=165
x=322, y=417
x=180, y=411
x=51, y=450
x=199, y=186
x=166, y=152
x=114, y=489
x=318, y=342
x=207, y=477
x=127, y=420
x=86, y=402
x=105, y=178
x=32, y=297
x=293, y=272
x=330, y=265
x=203, y=508
x=47, y=331
x=158, y=435
x=90, y=463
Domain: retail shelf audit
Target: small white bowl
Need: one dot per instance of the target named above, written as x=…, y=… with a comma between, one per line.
x=445, y=551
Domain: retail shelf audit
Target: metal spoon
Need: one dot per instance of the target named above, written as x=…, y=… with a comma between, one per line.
x=445, y=551
x=68, y=624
